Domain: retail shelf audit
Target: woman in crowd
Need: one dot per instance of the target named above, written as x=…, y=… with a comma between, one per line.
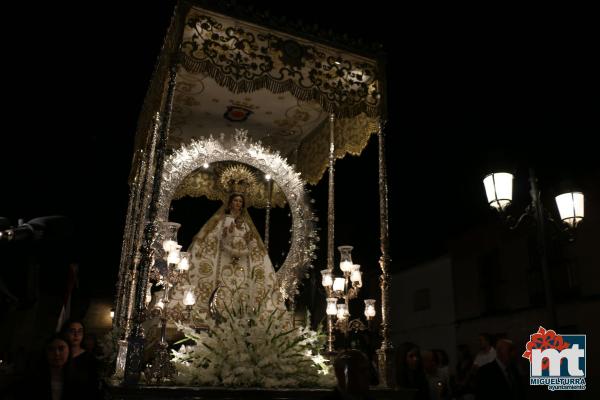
x=50, y=381
x=82, y=372
x=410, y=372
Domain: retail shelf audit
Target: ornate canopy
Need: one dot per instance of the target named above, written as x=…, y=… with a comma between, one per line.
x=278, y=86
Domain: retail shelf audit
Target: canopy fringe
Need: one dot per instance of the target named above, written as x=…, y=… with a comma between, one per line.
x=243, y=85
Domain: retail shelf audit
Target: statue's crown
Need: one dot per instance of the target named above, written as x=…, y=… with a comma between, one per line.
x=238, y=179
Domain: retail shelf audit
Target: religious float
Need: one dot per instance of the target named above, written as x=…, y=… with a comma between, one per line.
x=245, y=111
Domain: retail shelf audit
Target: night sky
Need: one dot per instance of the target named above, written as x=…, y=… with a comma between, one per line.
x=467, y=89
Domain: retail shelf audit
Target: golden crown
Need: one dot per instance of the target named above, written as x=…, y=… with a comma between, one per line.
x=238, y=179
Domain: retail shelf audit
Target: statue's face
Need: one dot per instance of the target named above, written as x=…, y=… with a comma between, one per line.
x=236, y=203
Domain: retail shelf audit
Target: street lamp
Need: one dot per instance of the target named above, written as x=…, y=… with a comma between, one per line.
x=498, y=189
x=570, y=207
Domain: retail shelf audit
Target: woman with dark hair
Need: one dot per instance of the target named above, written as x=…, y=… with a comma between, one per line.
x=410, y=373
x=83, y=369
x=50, y=381
x=463, y=382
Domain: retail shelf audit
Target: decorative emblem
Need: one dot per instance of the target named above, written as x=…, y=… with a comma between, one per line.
x=545, y=339
x=237, y=114
x=556, y=361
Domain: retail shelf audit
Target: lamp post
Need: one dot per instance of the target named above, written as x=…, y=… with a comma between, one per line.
x=498, y=188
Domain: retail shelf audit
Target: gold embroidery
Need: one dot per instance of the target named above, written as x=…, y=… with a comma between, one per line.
x=259, y=275
x=205, y=268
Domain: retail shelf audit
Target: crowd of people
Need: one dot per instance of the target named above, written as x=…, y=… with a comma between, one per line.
x=68, y=369
x=495, y=372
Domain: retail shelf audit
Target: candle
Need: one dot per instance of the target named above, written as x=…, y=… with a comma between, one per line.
x=327, y=280
x=342, y=311
x=356, y=275
x=370, y=311
x=339, y=284
x=184, y=261
x=173, y=257
x=346, y=266
x=168, y=245
x=189, y=299
x=331, y=306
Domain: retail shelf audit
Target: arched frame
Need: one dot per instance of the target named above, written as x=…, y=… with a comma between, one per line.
x=240, y=148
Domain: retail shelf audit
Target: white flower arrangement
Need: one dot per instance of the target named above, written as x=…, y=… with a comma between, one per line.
x=252, y=348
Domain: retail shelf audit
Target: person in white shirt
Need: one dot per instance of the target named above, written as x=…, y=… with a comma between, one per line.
x=500, y=379
x=487, y=353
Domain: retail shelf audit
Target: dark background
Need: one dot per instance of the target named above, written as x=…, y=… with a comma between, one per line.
x=468, y=88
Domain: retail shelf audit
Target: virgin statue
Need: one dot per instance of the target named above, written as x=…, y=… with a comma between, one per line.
x=228, y=253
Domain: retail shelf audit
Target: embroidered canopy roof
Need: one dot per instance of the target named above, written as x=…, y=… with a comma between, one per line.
x=281, y=87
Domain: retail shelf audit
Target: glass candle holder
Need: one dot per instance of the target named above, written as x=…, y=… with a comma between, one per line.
x=356, y=275
x=331, y=306
x=327, y=278
x=370, y=310
x=339, y=284
x=342, y=311
x=189, y=298
x=184, y=261
x=346, y=258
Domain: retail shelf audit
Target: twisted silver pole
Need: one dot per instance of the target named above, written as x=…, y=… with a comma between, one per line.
x=268, y=214
x=330, y=349
x=331, y=202
x=134, y=363
x=386, y=352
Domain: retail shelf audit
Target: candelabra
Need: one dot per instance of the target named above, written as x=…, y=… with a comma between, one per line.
x=344, y=288
x=173, y=272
